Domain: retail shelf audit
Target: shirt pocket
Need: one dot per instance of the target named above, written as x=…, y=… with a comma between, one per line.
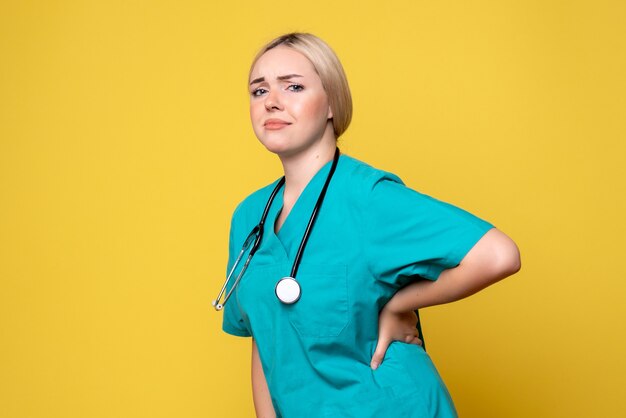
x=323, y=307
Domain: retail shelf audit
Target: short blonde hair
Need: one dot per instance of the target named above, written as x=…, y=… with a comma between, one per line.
x=327, y=66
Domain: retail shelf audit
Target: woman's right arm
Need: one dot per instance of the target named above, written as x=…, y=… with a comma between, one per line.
x=260, y=392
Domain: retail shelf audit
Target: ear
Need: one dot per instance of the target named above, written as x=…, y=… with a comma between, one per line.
x=330, y=113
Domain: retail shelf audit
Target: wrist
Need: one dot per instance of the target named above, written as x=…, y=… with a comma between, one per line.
x=398, y=303
x=406, y=299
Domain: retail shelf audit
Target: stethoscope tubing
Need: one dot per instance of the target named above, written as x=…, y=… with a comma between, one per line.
x=313, y=218
x=219, y=306
x=257, y=234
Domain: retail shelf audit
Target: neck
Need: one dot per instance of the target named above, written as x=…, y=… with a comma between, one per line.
x=300, y=168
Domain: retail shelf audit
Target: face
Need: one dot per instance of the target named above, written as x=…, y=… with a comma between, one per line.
x=288, y=106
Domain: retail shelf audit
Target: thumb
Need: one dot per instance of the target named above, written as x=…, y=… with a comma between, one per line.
x=379, y=353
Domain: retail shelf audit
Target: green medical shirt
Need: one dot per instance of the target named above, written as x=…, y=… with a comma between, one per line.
x=373, y=235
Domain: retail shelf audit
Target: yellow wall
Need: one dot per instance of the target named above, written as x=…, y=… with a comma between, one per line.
x=125, y=145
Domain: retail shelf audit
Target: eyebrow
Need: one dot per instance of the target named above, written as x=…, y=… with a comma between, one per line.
x=279, y=78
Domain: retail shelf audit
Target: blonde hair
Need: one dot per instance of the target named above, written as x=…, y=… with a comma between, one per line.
x=327, y=66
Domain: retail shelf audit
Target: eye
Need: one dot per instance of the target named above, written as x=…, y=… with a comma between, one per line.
x=296, y=87
x=258, y=92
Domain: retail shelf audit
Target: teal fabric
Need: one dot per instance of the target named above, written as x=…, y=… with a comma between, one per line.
x=372, y=236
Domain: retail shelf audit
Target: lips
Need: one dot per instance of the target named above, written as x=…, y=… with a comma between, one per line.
x=274, y=124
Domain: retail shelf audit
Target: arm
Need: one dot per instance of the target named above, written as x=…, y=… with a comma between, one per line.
x=494, y=257
x=260, y=392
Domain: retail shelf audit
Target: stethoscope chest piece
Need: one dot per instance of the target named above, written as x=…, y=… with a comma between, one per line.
x=288, y=290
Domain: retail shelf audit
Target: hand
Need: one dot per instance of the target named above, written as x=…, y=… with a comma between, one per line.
x=394, y=326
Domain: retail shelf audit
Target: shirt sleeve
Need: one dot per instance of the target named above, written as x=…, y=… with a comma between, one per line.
x=411, y=234
x=233, y=322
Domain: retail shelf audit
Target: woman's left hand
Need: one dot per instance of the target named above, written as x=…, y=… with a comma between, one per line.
x=394, y=326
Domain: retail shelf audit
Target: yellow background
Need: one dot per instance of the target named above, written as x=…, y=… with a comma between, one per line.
x=125, y=145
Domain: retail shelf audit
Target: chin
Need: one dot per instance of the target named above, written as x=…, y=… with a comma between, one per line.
x=277, y=145
x=279, y=149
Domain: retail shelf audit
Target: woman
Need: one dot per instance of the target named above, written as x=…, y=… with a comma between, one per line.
x=347, y=254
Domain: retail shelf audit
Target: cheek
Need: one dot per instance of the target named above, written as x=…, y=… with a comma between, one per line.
x=254, y=111
x=256, y=114
x=314, y=109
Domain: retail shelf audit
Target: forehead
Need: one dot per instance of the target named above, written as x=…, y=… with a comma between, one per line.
x=282, y=60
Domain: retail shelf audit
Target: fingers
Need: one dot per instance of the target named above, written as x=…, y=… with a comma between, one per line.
x=383, y=345
x=379, y=353
x=416, y=338
x=413, y=339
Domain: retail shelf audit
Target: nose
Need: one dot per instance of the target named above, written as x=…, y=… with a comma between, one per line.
x=272, y=101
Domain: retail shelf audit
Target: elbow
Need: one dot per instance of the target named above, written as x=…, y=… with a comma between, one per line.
x=508, y=258
x=495, y=257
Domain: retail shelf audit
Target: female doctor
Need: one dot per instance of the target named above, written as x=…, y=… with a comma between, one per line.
x=340, y=256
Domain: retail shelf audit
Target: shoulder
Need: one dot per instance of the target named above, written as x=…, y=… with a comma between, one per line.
x=380, y=190
x=363, y=177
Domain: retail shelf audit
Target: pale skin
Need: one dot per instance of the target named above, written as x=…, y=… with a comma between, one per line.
x=304, y=144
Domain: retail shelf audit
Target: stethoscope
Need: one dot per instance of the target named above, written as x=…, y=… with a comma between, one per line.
x=287, y=289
